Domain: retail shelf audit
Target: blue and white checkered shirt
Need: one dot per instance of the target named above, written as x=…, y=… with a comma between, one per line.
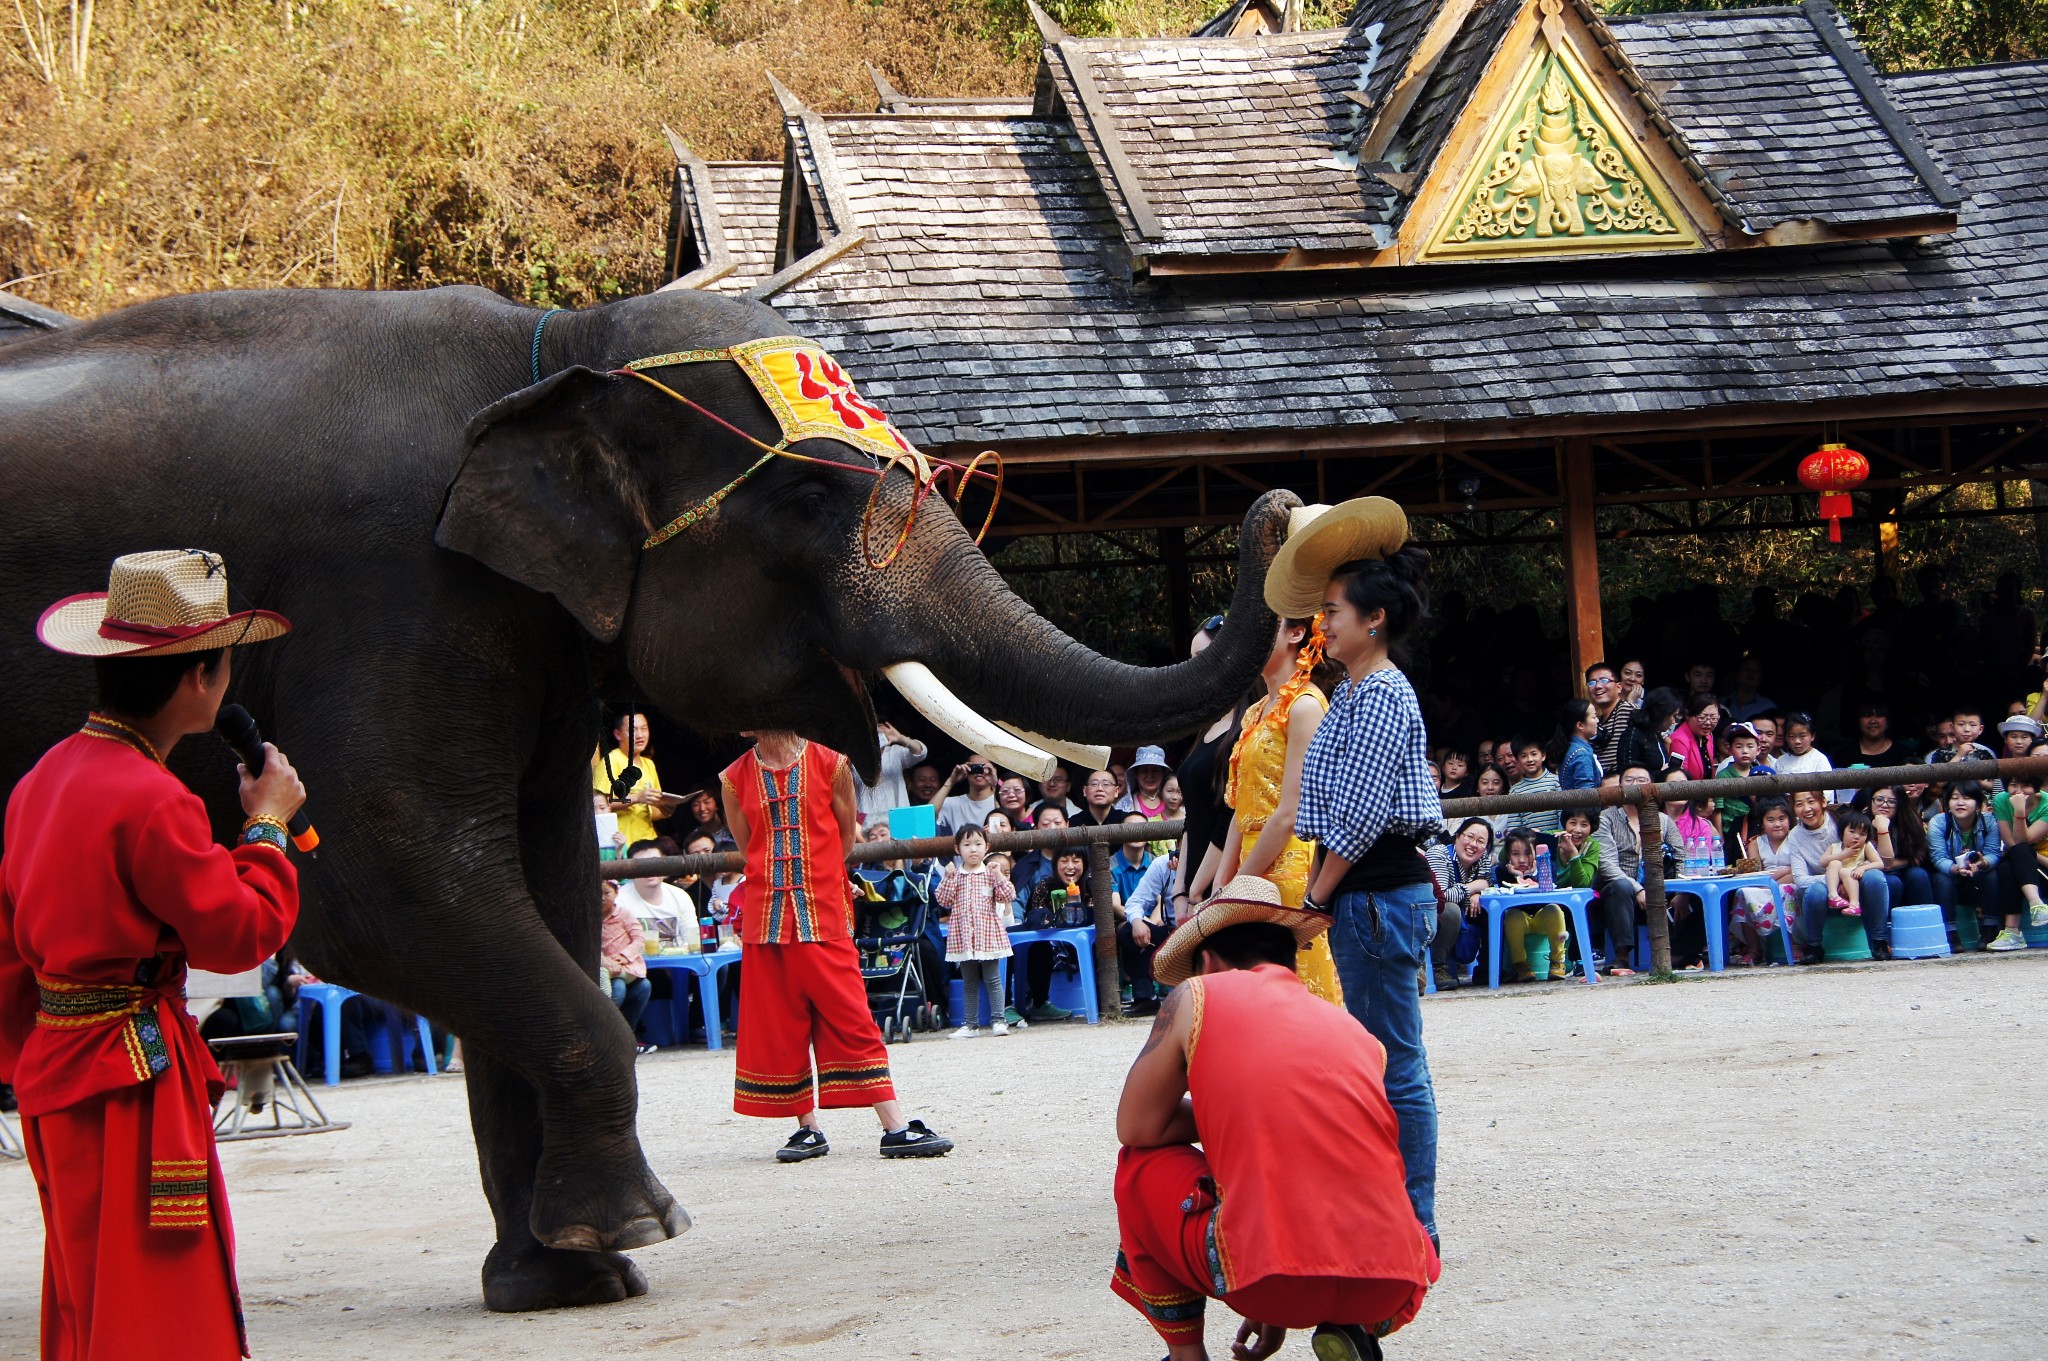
x=1367, y=769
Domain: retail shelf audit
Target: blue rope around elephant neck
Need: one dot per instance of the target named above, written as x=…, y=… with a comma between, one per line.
x=538, y=327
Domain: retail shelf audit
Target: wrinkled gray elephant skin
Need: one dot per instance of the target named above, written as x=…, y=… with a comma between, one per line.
x=460, y=550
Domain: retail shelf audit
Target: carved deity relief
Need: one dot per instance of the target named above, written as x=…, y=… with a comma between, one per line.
x=1556, y=177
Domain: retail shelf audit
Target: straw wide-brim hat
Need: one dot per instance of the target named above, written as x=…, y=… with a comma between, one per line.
x=1246, y=898
x=1320, y=539
x=156, y=605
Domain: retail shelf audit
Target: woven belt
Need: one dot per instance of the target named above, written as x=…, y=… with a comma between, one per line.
x=75, y=1006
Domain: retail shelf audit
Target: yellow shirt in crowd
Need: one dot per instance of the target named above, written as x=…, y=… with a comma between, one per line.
x=635, y=821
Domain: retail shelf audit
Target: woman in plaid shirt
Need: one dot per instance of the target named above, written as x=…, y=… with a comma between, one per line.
x=1368, y=799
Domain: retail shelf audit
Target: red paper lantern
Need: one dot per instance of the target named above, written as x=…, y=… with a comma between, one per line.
x=1834, y=470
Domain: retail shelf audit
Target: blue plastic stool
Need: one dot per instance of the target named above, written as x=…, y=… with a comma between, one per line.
x=2037, y=936
x=1572, y=900
x=1918, y=932
x=329, y=997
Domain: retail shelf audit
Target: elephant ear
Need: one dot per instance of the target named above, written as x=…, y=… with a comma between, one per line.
x=545, y=497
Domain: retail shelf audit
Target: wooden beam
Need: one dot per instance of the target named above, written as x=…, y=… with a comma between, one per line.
x=1581, y=553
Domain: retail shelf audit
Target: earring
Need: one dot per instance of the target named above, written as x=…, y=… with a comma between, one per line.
x=1372, y=633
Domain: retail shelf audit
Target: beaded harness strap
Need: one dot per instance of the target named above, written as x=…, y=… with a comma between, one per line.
x=812, y=398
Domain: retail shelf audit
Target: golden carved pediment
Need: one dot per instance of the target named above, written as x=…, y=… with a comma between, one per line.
x=1558, y=174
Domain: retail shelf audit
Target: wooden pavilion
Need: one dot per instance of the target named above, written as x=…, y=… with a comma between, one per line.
x=1507, y=261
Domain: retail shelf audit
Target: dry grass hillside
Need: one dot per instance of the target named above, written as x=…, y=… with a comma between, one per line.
x=197, y=144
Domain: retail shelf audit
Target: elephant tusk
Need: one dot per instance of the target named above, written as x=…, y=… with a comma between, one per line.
x=1088, y=758
x=930, y=697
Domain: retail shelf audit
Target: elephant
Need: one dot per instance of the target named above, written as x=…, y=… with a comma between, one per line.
x=448, y=493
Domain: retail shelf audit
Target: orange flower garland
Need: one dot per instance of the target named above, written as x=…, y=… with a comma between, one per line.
x=1305, y=663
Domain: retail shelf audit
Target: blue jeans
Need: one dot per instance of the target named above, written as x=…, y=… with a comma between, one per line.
x=629, y=995
x=1877, y=909
x=1909, y=886
x=1966, y=894
x=1381, y=945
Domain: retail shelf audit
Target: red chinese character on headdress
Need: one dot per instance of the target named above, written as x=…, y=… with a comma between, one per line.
x=823, y=380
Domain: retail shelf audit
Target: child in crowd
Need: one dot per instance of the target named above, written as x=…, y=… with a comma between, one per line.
x=625, y=960
x=1745, y=758
x=1757, y=915
x=1518, y=869
x=610, y=840
x=1847, y=860
x=1454, y=774
x=979, y=900
x=1969, y=745
x=1577, y=854
x=1491, y=785
x=1536, y=778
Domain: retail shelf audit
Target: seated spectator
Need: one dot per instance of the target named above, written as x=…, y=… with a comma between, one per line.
x=1963, y=850
x=1098, y=800
x=1900, y=841
x=1463, y=870
x=1454, y=778
x=1688, y=925
x=1069, y=879
x=1176, y=807
x=1143, y=781
x=1128, y=865
x=1619, y=874
x=2017, y=735
x=1646, y=743
x=1603, y=689
x=1506, y=761
x=1013, y=800
x=1692, y=743
x=1801, y=756
x=997, y=823
x=956, y=812
x=611, y=842
x=1762, y=911
x=1057, y=787
x=666, y=911
x=1536, y=778
x=1033, y=866
x=625, y=960
x=1518, y=870
x=1577, y=854
x=698, y=886
x=1731, y=814
x=2022, y=813
x=708, y=819
x=1874, y=745
x=1968, y=727
x=1146, y=920
x=1634, y=683
x=630, y=782
x=1492, y=786
x=1571, y=752
x=889, y=790
x=1770, y=737
x=1924, y=799
x=1811, y=843
x=1699, y=680
x=1747, y=702
x=1847, y=862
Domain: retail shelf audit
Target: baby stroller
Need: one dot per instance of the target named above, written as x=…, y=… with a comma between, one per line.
x=890, y=913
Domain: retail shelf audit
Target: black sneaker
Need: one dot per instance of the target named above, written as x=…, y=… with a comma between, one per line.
x=1345, y=1342
x=805, y=1143
x=915, y=1141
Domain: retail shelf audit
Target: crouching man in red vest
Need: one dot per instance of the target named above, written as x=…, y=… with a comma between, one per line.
x=110, y=886
x=1294, y=1211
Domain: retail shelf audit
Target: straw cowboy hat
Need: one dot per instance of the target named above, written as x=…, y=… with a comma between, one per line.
x=1246, y=898
x=156, y=605
x=1320, y=539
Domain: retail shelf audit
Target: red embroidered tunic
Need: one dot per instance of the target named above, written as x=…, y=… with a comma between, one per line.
x=1287, y=1087
x=111, y=884
x=791, y=829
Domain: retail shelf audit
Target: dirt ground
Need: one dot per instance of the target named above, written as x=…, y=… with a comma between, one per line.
x=1846, y=1162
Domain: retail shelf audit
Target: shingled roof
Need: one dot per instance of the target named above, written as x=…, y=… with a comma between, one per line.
x=728, y=216
x=987, y=305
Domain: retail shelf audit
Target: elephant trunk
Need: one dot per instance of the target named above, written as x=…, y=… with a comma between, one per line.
x=1007, y=662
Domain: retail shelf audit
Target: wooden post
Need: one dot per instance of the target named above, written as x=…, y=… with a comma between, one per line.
x=1109, y=983
x=1173, y=552
x=1650, y=833
x=1581, y=555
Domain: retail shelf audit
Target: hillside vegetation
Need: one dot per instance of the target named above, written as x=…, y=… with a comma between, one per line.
x=159, y=146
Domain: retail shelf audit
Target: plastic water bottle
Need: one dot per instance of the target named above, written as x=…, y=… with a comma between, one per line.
x=1720, y=857
x=1544, y=880
x=1692, y=856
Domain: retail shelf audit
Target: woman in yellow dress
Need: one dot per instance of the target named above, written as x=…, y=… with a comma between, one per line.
x=1265, y=785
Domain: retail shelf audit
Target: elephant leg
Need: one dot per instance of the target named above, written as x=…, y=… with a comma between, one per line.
x=520, y=1273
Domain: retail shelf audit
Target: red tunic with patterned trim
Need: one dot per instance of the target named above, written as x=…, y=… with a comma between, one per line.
x=791, y=829
x=110, y=885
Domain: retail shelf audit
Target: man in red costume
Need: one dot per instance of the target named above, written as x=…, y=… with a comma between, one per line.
x=1294, y=1211
x=791, y=806
x=110, y=887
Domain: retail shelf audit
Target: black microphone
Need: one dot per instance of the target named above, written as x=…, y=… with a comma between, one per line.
x=238, y=730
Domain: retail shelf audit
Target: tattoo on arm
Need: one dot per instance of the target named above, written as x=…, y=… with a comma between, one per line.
x=1162, y=1023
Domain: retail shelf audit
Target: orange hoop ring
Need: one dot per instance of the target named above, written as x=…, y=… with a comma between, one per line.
x=964, y=476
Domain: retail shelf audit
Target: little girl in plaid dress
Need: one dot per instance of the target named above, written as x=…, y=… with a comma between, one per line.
x=979, y=901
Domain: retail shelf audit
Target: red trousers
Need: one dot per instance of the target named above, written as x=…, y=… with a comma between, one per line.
x=797, y=1001
x=1163, y=1209
x=113, y=1288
